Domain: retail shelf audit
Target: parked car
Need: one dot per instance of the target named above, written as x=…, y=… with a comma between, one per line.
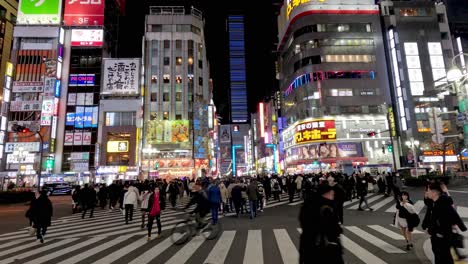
x=60, y=188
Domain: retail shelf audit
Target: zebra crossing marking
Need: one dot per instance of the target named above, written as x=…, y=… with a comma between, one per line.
x=18, y=248
x=360, y=252
x=388, y=233
x=288, y=251
x=12, y=243
x=37, y=251
x=372, y=199
x=153, y=253
x=219, y=252
x=95, y=250
x=296, y=203
x=382, y=203
x=388, y=248
x=115, y=255
x=254, y=249
x=418, y=206
x=64, y=251
x=187, y=251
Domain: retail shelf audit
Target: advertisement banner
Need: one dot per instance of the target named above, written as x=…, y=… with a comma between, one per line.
x=25, y=146
x=88, y=117
x=84, y=13
x=47, y=112
x=117, y=146
x=25, y=106
x=87, y=138
x=94, y=123
x=39, y=12
x=79, y=166
x=70, y=119
x=315, y=131
x=80, y=98
x=68, y=141
x=121, y=77
x=79, y=117
x=323, y=151
x=89, y=99
x=174, y=163
x=167, y=131
x=71, y=99
x=82, y=80
x=78, y=138
x=28, y=87
x=225, y=134
x=87, y=37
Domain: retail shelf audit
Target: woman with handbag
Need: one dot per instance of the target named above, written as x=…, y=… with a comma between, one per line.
x=154, y=211
x=406, y=218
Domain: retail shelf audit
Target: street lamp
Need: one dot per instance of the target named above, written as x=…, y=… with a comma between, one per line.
x=413, y=144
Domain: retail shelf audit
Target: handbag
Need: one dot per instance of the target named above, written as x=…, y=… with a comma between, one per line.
x=31, y=231
x=458, y=240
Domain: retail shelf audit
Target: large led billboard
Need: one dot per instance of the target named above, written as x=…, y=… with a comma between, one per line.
x=84, y=13
x=87, y=37
x=39, y=12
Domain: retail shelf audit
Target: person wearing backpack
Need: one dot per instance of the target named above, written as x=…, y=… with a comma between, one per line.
x=154, y=208
x=275, y=186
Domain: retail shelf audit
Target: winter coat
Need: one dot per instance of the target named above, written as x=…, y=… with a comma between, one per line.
x=236, y=193
x=151, y=201
x=131, y=196
x=252, y=191
x=41, y=211
x=224, y=193
x=440, y=217
x=361, y=186
x=275, y=186
x=214, y=194
x=144, y=199
x=88, y=197
x=298, y=182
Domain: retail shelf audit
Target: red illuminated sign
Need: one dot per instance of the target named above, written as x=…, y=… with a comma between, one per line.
x=84, y=13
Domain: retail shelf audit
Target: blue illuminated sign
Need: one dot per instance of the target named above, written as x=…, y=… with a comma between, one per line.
x=58, y=88
x=70, y=119
x=82, y=80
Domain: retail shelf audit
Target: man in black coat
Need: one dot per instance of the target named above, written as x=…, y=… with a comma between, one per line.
x=40, y=213
x=439, y=221
x=340, y=197
x=88, y=199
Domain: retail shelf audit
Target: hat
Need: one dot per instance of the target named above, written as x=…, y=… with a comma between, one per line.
x=324, y=188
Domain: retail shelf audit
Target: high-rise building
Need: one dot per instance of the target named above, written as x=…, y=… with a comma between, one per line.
x=238, y=78
x=420, y=52
x=8, y=13
x=334, y=81
x=177, y=93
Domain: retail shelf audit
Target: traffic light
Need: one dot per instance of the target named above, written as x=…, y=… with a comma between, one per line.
x=371, y=134
x=20, y=129
x=389, y=148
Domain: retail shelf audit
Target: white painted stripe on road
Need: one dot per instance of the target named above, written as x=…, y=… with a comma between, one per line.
x=19, y=248
x=95, y=250
x=253, y=249
x=299, y=230
x=462, y=211
x=276, y=204
x=187, y=251
x=37, y=250
x=418, y=206
x=360, y=252
x=382, y=203
x=387, y=232
x=374, y=240
x=153, y=252
x=392, y=209
x=296, y=203
x=219, y=252
x=288, y=251
x=14, y=233
x=369, y=200
x=415, y=231
x=115, y=255
x=458, y=191
x=64, y=251
x=12, y=243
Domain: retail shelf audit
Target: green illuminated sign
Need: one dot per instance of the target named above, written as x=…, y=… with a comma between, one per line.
x=39, y=12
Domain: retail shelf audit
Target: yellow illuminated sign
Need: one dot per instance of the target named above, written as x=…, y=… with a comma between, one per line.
x=117, y=146
x=9, y=69
x=315, y=131
x=295, y=3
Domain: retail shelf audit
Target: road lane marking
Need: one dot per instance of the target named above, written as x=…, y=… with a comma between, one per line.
x=153, y=252
x=219, y=252
x=375, y=240
x=253, y=249
x=360, y=252
x=117, y=254
x=382, y=203
x=288, y=251
x=356, y=206
x=387, y=232
x=183, y=255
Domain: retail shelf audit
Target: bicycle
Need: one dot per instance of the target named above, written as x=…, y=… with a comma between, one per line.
x=188, y=228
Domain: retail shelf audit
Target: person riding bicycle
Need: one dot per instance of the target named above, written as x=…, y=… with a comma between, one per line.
x=200, y=198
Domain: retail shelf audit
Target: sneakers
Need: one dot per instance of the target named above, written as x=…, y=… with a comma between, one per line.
x=149, y=238
x=158, y=236
x=371, y=209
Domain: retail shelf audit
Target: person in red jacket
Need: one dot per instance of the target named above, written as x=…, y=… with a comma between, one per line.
x=154, y=211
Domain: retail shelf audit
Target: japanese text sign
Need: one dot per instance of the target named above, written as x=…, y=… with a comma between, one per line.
x=315, y=131
x=39, y=12
x=121, y=77
x=84, y=13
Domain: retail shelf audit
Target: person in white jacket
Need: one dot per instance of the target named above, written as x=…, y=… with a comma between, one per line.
x=144, y=199
x=130, y=202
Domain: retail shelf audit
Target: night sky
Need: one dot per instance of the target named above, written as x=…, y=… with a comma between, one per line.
x=260, y=37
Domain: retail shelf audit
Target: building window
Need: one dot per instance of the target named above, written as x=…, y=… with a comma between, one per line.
x=167, y=78
x=167, y=28
x=178, y=96
x=367, y=93
x=415, y=12
x=120, y=118
x=340, y=92
x=444, y=35
x=165, y=115
x=154, y=97
x=178, y=117
x=195, y=30
x=441, y=18
x=167, y=61
x=166, y=97
x=154, y=79
x=178, y=79
x=200, y=81
x=153, y=115
x=156, y=28
x=167, y=44
x=349, y=58
x=200, y=64
x=178, y=61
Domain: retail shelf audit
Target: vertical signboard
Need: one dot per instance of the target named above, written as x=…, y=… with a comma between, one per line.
x=84, y=13
x=121, y=77
x=39, y=12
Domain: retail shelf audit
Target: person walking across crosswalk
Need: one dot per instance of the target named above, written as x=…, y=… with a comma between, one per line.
x=361, y=189
x=130, y=202
x=144, y=199
x=40, y=213
x=154, y=207
x=406, y=218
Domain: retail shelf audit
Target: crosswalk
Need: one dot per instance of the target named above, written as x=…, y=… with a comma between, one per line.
x=106, y=239
x=383, y=203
